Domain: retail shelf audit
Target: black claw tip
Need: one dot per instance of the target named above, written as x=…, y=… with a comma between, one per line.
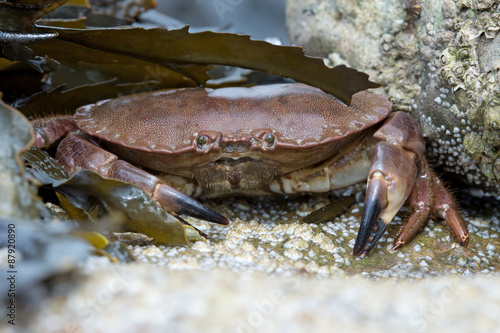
x=196, y=209
x=371, y=228
x=177, y=202
x=191, y=207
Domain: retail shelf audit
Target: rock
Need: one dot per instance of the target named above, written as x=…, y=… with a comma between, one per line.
x=129, y=299
x=439, y=60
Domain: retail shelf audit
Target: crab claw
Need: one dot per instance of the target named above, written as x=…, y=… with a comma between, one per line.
x=372, y=226
x=180, y=203
x=170, y=199
x=391, y=178
x=76, y=153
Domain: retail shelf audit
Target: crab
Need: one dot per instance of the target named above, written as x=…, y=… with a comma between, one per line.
x=283, y=139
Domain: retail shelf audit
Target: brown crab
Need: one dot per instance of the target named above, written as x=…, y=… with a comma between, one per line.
x=283, y=138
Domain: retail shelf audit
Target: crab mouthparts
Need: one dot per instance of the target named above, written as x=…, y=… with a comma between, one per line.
x=229, y=175
x=234, y=160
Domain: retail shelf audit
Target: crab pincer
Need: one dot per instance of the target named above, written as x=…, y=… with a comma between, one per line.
x=399, y=172
x=180, y=203
x=76, y=153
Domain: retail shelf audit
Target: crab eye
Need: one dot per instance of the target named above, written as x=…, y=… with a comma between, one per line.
x=201, y=141
x=269, y=138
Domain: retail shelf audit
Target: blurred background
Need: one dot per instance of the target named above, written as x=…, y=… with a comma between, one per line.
x=258, y=18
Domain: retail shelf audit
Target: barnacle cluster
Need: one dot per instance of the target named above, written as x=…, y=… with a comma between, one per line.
x=470, y=65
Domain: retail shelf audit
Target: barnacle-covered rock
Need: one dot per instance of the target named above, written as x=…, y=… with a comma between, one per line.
x=437, y=59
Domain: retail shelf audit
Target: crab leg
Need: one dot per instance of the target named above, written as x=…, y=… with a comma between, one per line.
x=50, y=129
x=421, y=201
x=446, y=209
x=76, y=153
x=430, y=195
x=343, y=170
x=391, y=178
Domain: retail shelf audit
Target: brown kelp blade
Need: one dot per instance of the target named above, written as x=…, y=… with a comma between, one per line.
x=181, y=47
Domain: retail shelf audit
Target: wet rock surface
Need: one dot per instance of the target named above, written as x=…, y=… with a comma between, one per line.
x=267, y=236
x=267, y=271
x=198, y=301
